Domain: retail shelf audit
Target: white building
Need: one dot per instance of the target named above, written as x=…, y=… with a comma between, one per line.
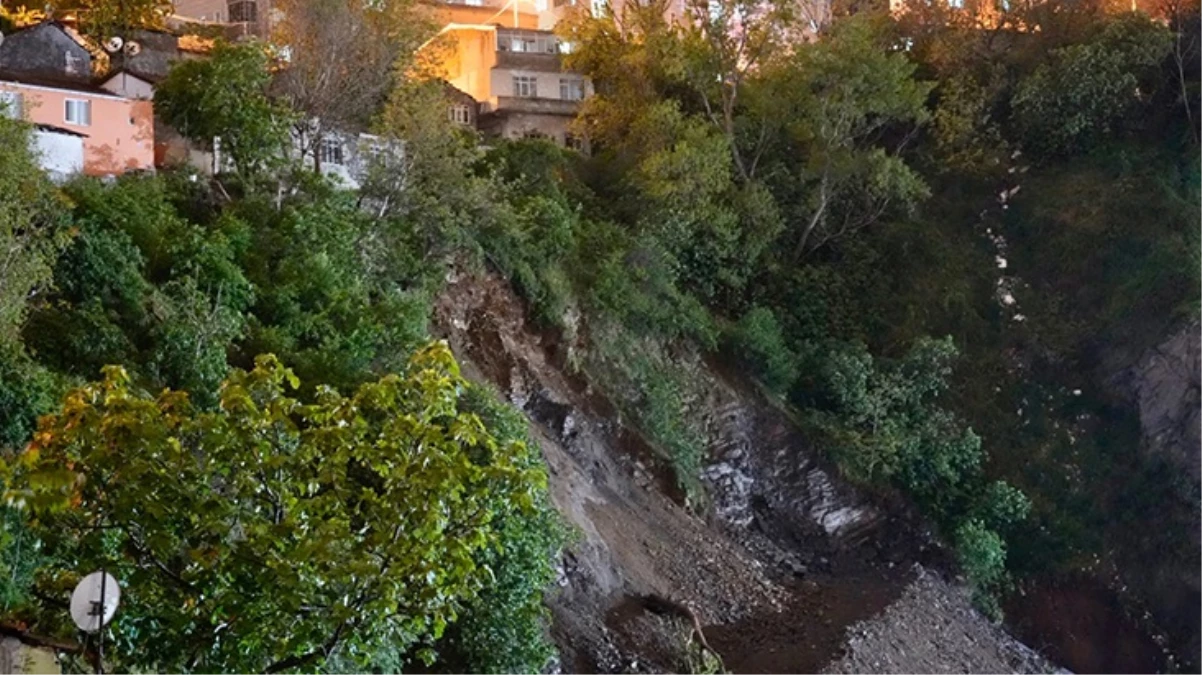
x=60, y=151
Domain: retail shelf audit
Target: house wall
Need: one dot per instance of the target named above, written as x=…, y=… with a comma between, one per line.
x=45, y=50
x=16, y=657
x=120, y=137
x=520, y=125
x=473, y=56
x=128, y=86
x=449, y=13
x=205, y=10
x=60, y=155
x=501, y=83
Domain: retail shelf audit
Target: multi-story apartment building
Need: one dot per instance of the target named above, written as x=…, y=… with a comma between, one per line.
x=241, y=17
x=516, y=77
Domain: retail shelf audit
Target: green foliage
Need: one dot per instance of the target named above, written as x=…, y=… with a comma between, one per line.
x=832, y=100
x=504, y=629
x=26, y=391
x=982, y=554
x=101, y=19
x=1085, y=90
x=32, y=226
x=886, y=424
x=141, y=285
x=757, y=341
x=1003, y=506
x=326, y=300
x=531, y=234
x=635, y=282
x=20, y=558
x=225, y=96
x=357, y=521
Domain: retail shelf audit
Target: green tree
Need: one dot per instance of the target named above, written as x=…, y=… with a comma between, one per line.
x=270, y=535
x=758, y=341
x=1085, y=90
x=225, y=97
x=886, y=424
x=833, y=101
x=32, y=226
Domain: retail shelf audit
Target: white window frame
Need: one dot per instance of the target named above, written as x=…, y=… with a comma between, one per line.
x=331, y=151
x=460, y=113
x=599, y=8
x=571, y=89
x=13, y=104
x=525, y=86
x=79, y=103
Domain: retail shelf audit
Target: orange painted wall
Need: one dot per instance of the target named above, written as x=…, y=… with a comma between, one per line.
x=468, y=14
x=470, y=64
x=120, y=137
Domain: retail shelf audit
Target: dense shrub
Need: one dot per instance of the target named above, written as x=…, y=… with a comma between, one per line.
x=757, y=341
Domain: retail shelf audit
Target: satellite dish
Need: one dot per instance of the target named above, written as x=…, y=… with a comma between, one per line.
x=132, y=48
x=113, y=44
x=88, y=611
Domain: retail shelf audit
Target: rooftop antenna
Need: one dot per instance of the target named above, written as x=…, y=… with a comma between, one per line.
x=93, y=604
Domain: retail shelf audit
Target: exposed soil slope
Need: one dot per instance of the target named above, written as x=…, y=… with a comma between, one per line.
x=792, y=571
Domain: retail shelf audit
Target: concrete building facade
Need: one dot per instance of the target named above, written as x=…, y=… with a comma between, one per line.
x=514, y=73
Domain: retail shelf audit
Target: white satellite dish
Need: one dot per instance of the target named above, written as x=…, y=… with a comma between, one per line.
x=113, y=44
x=132, y=48
x=88, y=610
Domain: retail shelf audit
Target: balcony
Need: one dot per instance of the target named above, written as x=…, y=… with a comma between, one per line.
x=541, y=106
x=540, y=62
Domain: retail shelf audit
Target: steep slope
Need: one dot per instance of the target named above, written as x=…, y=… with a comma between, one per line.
x=792, y=572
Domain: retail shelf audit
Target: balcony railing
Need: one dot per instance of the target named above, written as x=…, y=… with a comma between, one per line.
x=527, y=42
x=545, y=106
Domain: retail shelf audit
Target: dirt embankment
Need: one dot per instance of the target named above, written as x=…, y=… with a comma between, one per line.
x=792, y=572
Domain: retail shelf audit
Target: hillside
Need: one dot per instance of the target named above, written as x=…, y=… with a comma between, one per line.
x=874, y=352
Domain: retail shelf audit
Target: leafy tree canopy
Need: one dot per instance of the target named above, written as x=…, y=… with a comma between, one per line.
x=271, y=535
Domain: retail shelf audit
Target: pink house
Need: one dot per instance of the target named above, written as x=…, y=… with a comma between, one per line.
x=47, y=75
x=118, y=132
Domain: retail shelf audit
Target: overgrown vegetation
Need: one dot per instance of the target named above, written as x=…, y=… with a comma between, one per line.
x=250, y=329
x=825, y=214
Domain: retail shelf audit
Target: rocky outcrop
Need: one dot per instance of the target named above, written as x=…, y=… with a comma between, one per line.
x=1162, y=386
x=1166, y=390
x=788, y=561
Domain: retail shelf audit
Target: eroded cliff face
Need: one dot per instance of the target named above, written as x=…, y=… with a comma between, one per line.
x=793, y=571
x=1163, y=385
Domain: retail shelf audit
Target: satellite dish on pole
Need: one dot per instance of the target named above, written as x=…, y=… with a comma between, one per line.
x=94, y=601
